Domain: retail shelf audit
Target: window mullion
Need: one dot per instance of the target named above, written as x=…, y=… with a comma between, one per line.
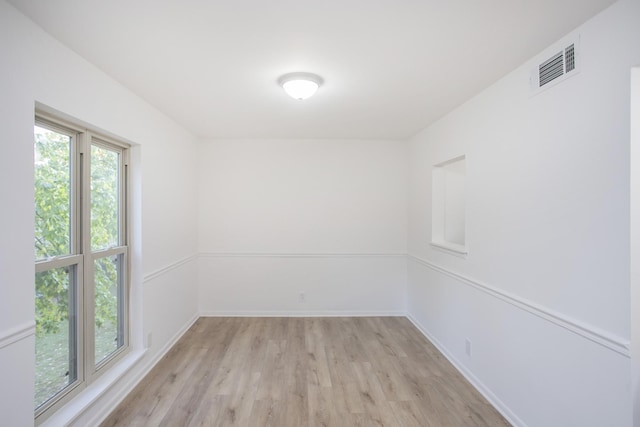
x=127, y=241
x=87, y=288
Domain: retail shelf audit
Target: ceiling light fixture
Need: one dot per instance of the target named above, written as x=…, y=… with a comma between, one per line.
x=300, y=85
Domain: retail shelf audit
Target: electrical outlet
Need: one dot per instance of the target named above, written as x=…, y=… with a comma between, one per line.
x=301, y=297
x=149, y=339
x=467, y=346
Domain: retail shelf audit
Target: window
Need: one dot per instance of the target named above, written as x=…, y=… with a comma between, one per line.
x=81, y=258
x=448, y=227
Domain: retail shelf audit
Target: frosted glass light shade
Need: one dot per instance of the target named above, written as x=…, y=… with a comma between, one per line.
x=300, y=85
x=300, y=89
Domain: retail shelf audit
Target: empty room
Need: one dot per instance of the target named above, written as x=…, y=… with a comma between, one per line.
x=382, y=213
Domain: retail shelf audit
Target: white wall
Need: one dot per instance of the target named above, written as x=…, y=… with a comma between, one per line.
x=36, y=68
x=635, y=242
x=544, y=292
x=264, y=203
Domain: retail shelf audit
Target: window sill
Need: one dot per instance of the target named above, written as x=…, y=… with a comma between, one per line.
x=86, y=398
x=451, y=248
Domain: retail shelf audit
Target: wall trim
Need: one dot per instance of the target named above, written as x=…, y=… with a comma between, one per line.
x=303, y=314
x=155, y=274
x=593, y=334
x=479, y=385
x=17, y=333
x=300, y=255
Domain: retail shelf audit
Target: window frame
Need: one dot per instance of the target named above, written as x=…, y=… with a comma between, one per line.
x=91, y=256
x=83, y=258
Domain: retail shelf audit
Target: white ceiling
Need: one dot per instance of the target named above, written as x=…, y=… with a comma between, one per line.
x=391, y=67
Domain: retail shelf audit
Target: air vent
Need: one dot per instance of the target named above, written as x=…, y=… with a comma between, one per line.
x=561, y=65
x=551, y=69
x=570, y=58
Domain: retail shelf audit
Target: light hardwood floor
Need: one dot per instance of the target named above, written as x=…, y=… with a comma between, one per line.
x=304, y=372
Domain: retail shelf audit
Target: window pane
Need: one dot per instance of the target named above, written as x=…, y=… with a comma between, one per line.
x=52, y=164
x=109, y=292
x=56, y=336
x=104, y=198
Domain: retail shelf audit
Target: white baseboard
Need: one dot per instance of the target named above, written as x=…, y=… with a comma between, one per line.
x=330, y=313
x=133, y=381
x=482, y=389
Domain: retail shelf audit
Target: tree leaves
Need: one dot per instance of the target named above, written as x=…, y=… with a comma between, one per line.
x=53, y=214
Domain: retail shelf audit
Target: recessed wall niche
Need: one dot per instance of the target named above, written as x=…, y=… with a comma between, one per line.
x=448, y=219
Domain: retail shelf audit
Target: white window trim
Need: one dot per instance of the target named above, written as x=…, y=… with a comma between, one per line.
x=450, y=248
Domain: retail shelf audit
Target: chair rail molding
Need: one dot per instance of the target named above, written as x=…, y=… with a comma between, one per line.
x=606, y=339
x=17, y=333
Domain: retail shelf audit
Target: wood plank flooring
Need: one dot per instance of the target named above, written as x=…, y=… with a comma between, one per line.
x=304, y=372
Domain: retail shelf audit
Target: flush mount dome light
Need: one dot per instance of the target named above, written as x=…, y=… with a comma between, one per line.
x=300, y=85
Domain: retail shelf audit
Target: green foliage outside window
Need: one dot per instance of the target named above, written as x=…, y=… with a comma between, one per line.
x=52, y=226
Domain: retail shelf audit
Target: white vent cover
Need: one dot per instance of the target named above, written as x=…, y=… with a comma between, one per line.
x=551, y=69
x=570, y=58
x=555, y=68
